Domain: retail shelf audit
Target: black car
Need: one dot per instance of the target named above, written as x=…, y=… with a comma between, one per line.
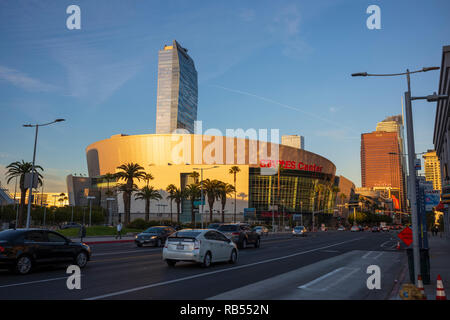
x=23, y=249
x=71, y=225
x=155, y=236
x=241, y=234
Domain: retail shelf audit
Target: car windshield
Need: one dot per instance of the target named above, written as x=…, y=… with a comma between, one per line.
x=299, y=228
x=258, y=228
x=153, y=230
x=228, y=228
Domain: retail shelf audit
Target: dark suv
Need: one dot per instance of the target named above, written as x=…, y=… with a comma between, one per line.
x=241, y=234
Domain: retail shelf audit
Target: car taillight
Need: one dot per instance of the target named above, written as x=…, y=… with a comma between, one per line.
x=197, y=244
x=2, y=249
x=235, y=234
x=166, y=244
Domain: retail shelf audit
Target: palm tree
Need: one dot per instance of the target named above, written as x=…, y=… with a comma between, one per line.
x=234, y=170
x=224, y=190
x=171, y=190
x=211, y=188
x=195, y=175
x=20, y=169
x=148, y=177
x=177, y=195
x=109, y=177
x=192, y=193
x=128, y=173
x=147, y=194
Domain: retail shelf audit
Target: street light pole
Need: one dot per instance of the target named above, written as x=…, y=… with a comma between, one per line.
x=30, y=192
x=411, y=155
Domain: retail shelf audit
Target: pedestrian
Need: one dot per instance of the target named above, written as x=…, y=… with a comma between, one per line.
x=119, y=230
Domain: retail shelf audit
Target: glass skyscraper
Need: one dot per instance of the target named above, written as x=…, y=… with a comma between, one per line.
x=177, y=95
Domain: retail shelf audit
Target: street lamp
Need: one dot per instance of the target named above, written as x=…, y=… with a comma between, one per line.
x=201, y=187
x=411, y=154
x=32, y=168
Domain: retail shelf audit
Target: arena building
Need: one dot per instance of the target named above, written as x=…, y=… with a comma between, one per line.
x=262, y=191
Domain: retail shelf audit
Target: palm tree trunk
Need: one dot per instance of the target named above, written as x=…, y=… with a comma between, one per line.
x=192, y=214
x=178, y=211
x=23, y=194
x=147, y=210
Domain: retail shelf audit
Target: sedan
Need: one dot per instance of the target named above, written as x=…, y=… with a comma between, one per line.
x=355, y=229
x=241, y=234
x=155, y=236
x=23, y=249
x=375, y=229
x=299, y=231
x=341, y=228
x=204, y=246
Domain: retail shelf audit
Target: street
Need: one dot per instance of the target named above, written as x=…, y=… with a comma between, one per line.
x=324, y=265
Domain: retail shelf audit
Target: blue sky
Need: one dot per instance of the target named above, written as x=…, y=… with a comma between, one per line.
x=278, y=64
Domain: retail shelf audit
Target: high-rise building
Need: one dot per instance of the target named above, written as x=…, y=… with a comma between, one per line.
x=433, y=169
x=295, y=141
x=382, y=165
x=177, y=94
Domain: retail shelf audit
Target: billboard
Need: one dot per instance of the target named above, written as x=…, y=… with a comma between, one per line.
x=432, y=199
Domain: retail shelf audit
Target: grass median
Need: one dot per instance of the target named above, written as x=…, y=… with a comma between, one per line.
x=97, y=231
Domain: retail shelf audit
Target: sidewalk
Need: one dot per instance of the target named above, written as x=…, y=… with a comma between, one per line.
x=439, y=265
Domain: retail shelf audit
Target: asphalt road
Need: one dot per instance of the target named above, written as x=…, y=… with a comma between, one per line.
x=123, y=271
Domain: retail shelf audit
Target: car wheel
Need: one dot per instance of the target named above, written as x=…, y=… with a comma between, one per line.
x=81, y=259
x=207, y=260
x=257, y=243
x=233, y=257
x=23, y=265
x=139, y=245
x=171, y=263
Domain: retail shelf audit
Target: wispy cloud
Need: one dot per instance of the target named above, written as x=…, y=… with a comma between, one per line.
x=24, y=81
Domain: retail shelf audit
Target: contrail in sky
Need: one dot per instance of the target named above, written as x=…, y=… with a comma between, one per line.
x=287, y=107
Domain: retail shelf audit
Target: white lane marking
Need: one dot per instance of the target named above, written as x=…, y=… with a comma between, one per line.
x=367, y=255
x=213, y=272
x=33, y=282
x=378, y=255
x=332, y=251
x=348, y=273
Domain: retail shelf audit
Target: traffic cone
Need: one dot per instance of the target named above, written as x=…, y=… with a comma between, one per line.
x=398, y=245
x=440, y=293
x=420, y=287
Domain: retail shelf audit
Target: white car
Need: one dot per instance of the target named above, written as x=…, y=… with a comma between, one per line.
x=261, y=230
x=203, y=246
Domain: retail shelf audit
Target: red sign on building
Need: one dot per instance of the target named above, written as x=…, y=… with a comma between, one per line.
x=406, y=236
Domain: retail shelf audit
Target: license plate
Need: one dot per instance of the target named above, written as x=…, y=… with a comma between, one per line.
x=180, y=247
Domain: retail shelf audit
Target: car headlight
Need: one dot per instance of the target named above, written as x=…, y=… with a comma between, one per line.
x=136, y=237
x=154, y=237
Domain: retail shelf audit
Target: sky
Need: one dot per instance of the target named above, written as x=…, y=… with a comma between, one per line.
x=276, y=64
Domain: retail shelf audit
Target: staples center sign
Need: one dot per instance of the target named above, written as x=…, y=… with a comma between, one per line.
x=293, y=165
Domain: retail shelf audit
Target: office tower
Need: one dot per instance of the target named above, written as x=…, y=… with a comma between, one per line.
x=295, y=141
x=381, y=165
x=433, y=169
x=177, y=94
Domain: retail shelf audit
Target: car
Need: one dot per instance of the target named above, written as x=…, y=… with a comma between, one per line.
x=299, y=231
x=204, y=246
x=70, y=225
x=355, y=229
x=341, y=228
x=361, y=228
x=261, y=230
x=241, y=234
x=155, y=236
x=385, y=228
x=214, y=225
x=21, y=250
x=375, y=229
